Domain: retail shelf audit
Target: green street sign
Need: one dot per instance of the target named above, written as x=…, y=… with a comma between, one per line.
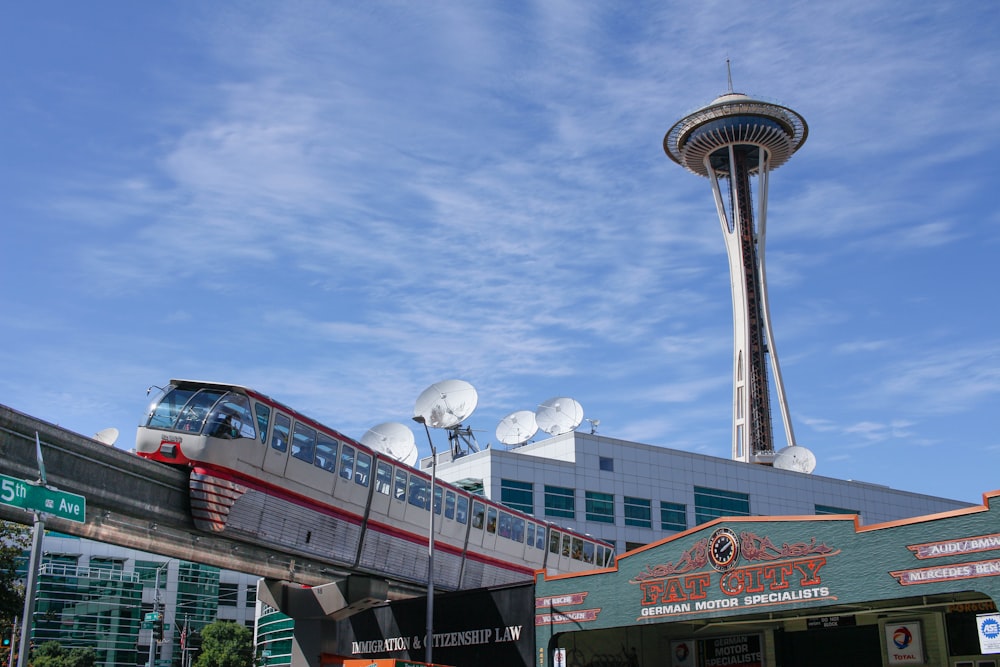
x=31, y=496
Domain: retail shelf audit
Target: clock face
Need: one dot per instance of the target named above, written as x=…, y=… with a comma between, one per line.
x=723, y=549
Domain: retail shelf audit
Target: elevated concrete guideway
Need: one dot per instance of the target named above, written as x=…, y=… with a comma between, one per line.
x=144, y=505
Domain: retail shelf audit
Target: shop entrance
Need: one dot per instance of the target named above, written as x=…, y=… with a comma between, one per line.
x=858, y=646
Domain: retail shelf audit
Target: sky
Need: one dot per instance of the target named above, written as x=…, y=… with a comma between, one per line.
x=339, y=204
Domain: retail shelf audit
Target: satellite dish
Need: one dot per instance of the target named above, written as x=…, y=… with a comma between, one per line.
x=109, y=436
x=795, y=458
x=517, y=427
x=392, y=439
x=559, y=415
x=446, y=404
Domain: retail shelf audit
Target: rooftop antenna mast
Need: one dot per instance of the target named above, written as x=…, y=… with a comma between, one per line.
x=729, y=74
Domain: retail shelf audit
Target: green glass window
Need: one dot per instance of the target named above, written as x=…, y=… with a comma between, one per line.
x=830, y=509
x=559, y=502
x=638, y=512
x=517, y=495
x=600, y=507
x=673, y=516
x=714, y=503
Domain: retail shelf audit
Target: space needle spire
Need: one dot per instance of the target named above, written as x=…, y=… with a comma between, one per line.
x=737, y=139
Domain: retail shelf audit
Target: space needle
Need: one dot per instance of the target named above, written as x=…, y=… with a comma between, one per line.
x=734, y=139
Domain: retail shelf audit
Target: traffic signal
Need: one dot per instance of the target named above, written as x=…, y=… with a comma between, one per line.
x=158, y=629
x=6, y=641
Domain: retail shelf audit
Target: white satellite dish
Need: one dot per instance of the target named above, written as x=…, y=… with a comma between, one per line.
x=795, y=458
x=446, y=404
x=517, y=427
x=109, y=436
x=392, y=439
x=559, y=415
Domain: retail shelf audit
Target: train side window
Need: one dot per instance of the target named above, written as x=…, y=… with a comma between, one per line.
x=449, y=505
x=566, y=539
x=363, y=470
x=326, y=453
x=383, y=477
x=531, y=534
x=517, y=530
x=577, y=548
x=438, y=492
x=588, y=552
x=419, y=495
x=346, y=462
x=478, y=515
x=491, y=520
x=303, y=442
x=540, y=538
x=505, y=525
x=263, y=419
x=399, y=488
x=600, y=555
x=279, y=438
x=554, y=541
x=462, y=511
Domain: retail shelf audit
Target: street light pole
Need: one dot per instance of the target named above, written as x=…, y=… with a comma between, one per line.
x=429, y=638
x=156, y=610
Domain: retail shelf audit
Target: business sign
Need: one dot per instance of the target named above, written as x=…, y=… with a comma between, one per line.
x=904, y=643
x=31, y=496
x=988, y=627
x=729, y=571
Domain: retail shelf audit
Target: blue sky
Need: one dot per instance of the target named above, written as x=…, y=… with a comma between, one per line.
x=340, y=204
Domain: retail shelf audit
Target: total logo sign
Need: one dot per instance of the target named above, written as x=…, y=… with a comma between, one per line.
x=903, y=643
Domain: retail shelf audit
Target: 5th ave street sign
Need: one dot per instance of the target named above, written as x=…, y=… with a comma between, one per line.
x=31, y=496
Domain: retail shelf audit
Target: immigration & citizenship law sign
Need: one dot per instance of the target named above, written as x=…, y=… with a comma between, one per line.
x=796, y=565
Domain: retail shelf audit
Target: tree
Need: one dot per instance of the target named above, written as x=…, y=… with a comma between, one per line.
x=15, y=539
x=225, y=644
x=52, y=654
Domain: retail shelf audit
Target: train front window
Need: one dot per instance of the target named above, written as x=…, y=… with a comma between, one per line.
x=165, y=408
x=231, y=418
x=193, y=416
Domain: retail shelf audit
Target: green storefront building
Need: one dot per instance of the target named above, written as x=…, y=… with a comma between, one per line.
x=813, y=591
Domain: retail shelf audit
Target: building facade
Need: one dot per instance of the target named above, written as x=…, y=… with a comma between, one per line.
x=101, y=596
x=633, y=494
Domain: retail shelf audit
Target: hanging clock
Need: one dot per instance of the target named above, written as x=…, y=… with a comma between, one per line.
x=723, y=549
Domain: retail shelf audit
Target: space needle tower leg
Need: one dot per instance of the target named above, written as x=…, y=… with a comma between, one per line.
x=732, y=140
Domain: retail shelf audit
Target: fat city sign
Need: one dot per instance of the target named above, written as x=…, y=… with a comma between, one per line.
x=32, y=496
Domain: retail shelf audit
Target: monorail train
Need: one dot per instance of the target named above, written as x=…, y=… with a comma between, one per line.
x=267, y=474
